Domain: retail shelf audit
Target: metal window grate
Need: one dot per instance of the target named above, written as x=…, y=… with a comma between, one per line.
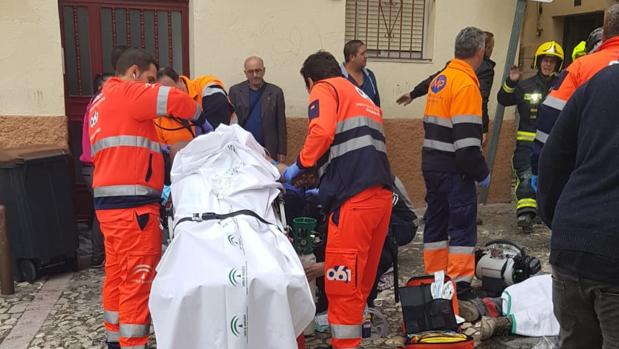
x=157, y=31
x=389, y=28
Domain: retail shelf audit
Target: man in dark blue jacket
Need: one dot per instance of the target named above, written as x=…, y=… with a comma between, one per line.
x=354, y=69
x=579, y=199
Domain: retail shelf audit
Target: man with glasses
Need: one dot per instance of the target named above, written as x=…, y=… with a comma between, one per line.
x=260, y=108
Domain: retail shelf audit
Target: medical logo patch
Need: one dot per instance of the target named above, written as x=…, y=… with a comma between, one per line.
x=313, y=110
x=439, y=83
x=339, y=273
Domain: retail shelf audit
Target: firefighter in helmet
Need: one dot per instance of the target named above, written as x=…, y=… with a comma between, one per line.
x=527, y=95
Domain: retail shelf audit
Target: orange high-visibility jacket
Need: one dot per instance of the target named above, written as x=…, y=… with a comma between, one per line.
x=453, y=123
x=345, y=141
x=171, y=131
x=129, y=165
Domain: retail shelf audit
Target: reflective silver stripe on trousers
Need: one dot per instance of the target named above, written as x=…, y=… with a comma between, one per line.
x=144, y=346
x=466, y=119
x=110, y=317
x=435, y=245
x=351, y=145
x=162, y=100
x=541, y=136
x=134, y=331
x=461, y=249
x=125, y=190
x=554, y=102
x=125, y=141
x=112, y=336
x=345, y=331
x=438, y=145
x=358, y=121
x=435, y=120
x=467, y=142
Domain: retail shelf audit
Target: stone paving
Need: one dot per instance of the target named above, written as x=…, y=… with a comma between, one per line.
x=75, y=320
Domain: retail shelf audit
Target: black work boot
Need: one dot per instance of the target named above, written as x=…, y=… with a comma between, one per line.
x=525, y=221
x=113, y=345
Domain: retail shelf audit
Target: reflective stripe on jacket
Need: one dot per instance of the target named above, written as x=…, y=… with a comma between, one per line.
x=129, y=166
x=345, y=141
x=453, y=123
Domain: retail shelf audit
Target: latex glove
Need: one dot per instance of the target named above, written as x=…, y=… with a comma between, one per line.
x=292, y=188
x=291, y=172
x=485, y=183
x=165, y=194
x=311, y=192
x=534, y=183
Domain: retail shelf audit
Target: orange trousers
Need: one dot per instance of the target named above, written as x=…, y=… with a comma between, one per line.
x=354, y=245
x=132, y=251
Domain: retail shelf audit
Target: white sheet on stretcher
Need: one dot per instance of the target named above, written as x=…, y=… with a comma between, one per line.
x=235, y=283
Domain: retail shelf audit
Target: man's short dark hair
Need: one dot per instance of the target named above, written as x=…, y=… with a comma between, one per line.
x=611, y=21
x=320, y=65
x=352, y=48
x=99, y=80
x=116, y=52
x=169, y=72
x=489, y=37
x=135, y=56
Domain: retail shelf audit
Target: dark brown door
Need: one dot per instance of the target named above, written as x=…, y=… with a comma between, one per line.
x=577, y=29
x=90, y=30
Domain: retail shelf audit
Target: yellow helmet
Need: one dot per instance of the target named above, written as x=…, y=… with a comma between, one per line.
x=549, y=48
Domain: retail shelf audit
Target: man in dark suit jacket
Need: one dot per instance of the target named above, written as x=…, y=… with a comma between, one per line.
x=260, y=108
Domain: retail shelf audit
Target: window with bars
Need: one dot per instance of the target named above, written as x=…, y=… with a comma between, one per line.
x=389, y=28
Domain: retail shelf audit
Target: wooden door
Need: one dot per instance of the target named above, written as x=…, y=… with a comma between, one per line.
x=90, y=30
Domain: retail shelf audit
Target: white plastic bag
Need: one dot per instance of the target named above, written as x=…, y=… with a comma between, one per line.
x=529, y=304
x=235, y=283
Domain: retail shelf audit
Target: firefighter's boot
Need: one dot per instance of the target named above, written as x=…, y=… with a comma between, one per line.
x=525, y=221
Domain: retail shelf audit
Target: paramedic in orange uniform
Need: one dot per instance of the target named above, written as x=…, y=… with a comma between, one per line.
x=206, y=90
x=452, y=161
x=127, y=183
x=345, y=144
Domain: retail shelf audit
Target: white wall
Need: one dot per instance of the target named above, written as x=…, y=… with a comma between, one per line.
x=284, y=33
x=31, y=80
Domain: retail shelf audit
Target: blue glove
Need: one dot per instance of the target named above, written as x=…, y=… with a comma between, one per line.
x=165, y=195
x=534, y=183
x=311, y=192
x=204, y=128
x=292, y=188
x=486, y=182
x=291, y=172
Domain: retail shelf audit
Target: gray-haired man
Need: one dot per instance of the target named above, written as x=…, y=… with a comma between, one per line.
x=452, y=162
x=260, y=108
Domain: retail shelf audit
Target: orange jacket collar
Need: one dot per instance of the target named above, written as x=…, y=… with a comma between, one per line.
x=610, y=43
x=465, y=67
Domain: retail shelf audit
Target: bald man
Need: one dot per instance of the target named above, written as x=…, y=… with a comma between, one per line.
x=260, y=108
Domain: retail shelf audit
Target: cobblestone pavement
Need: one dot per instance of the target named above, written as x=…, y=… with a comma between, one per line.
x=75, y=321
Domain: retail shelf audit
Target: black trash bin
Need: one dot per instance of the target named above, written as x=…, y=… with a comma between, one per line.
x=35, y=188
